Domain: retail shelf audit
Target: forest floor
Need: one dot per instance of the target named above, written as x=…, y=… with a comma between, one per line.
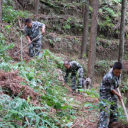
x=63, y=39
x=85, y=116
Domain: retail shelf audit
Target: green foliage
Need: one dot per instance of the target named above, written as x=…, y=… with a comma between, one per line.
x=42, y=76
x=121, y=114
x=110, y=2
x=92, y=93
x=67, y=5
x=124, y=88
x=52, y=99
x=7, y=28
x=90, y=9
x=5, y=66
x=109, y=11
x=10, y=15
x=19, y=110
x=4, y=48
x=103, y=66
x=2, y=39
x=7, y=2
x=109, y=15
x=126, y=55
x=87, y=104
x=67, y=24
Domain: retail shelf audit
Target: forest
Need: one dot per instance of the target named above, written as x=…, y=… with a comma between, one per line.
x=93, y=33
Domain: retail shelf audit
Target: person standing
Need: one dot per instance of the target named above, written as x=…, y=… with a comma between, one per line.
x=73, y=67
x=109, y=96
x=32, y=30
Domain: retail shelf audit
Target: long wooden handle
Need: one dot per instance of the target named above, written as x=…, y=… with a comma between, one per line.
x=37, y=37
x=28, y=44
x=126, y=114
x=21, y=49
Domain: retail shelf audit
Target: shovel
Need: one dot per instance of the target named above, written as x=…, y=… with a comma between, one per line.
x=28, y=44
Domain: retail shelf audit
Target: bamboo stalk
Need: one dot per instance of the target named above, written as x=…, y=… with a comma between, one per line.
x=21, y=50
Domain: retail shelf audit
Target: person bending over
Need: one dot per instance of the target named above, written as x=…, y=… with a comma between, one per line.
x=73, y=67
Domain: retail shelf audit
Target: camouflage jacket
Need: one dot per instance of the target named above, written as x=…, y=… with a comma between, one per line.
x=34, y=31
x=74, y=66
x=109, y=83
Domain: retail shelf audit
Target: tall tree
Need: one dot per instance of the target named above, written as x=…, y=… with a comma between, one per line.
x=121, y=44
x=122, y=27
x=93, y=35
x=0, y=14
x=36, y=7
x=85, y=31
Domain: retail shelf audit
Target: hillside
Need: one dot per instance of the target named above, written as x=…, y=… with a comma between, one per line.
x=32, y=95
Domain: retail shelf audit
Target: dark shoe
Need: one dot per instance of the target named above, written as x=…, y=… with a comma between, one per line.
x=79, y=92
x=31, y=56
x=73, y=91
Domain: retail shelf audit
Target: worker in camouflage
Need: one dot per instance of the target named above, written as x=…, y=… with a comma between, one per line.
x=108, y=96
x=73, y=67
x=32, y=30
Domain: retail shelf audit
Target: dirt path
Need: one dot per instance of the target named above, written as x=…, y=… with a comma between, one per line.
x=84, y=117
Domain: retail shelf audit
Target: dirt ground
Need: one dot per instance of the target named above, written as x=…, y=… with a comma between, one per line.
x=10, y=83
x=87, y=121
x=118, y=125
x=17, y=57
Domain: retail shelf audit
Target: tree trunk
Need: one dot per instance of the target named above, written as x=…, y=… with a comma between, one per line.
x=0, y=14
x=36, y=7
x=85, y=31
x=127, y=102
x=121, y=44
x=93, y=35
x=122, y=27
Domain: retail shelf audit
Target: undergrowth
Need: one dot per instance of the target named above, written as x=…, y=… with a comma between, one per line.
x=40, y=74
x=10, y=15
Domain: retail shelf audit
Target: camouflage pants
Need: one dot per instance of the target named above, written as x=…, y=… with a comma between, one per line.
x=37, y=45
x=73, y=77
x=108, y=110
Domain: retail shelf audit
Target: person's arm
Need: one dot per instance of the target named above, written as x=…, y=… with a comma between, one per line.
x=26, y=34
x=115, y=93
x=41, y=25
x=43, y=29
x=110, y=84
x=29, y=40
x=66, y=77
